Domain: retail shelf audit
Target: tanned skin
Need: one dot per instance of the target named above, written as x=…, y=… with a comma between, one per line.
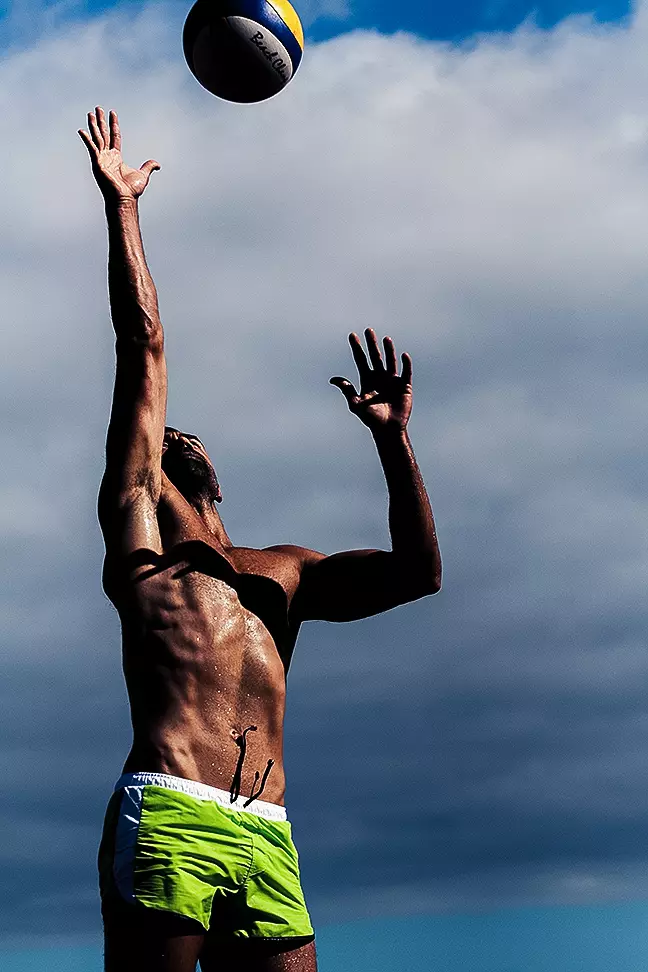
x=209, y=627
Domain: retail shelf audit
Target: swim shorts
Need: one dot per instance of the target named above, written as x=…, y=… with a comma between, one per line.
x=181, y=847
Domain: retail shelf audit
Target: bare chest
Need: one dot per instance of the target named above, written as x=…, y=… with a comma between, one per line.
x=194, y=598
x=193, y=633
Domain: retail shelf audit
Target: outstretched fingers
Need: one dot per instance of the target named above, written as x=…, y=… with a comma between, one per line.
x=102, y=134
x=368, y=366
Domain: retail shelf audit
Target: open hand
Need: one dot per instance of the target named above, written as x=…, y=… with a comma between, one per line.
x=115, y=179
x=385, y=397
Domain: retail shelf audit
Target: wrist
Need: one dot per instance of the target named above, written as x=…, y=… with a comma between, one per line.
x=121, y=205
x=390, y=433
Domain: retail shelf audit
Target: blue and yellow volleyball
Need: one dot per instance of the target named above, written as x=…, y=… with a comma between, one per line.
x=243, y=50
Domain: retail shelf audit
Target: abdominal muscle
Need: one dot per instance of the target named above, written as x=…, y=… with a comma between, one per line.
x=200, y=671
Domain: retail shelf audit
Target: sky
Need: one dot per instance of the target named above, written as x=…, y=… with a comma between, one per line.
x=484, y=201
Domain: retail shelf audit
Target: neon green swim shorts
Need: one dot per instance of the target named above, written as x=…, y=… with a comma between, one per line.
x=181, y=847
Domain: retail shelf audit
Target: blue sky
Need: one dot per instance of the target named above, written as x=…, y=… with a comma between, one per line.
x=457, y=22
x=487, y=204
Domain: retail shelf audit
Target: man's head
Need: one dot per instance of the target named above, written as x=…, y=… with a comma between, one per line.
x=186, y=463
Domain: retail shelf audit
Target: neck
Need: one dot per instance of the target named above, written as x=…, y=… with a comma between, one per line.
x=206, y=510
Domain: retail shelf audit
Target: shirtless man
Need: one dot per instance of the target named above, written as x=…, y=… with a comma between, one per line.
x=194, y=866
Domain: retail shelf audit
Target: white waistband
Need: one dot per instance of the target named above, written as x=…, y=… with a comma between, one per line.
x=202, y=791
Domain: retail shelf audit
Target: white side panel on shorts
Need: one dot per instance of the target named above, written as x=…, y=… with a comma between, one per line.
x=130, y=813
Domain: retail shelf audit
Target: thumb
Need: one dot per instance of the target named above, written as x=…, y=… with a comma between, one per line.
x=346, y=388
x=150, y=166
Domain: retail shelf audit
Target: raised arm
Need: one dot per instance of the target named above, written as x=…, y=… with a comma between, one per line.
x=358, y=583
x=132, y=481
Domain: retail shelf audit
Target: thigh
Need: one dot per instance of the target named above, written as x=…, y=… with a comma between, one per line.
x=259, y=956
x=138, y=938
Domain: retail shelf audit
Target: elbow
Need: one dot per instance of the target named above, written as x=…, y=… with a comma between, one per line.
x=436, y=581
x=433, y=570
x=430, y=574
x=422, y=578
x=151, y=336
x=145, y=333
x=432, y=581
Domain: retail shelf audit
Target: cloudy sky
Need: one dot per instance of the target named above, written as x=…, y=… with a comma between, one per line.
x=479, y=190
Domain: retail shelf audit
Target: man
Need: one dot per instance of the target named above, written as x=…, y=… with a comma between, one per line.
x=194, y=865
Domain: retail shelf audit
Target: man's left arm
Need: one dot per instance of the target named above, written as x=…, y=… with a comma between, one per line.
x=358, y=583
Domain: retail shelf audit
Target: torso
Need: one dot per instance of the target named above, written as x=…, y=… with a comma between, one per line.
x=206, y=647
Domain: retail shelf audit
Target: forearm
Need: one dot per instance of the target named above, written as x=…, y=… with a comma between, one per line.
x=411, y=522
x=133, y=297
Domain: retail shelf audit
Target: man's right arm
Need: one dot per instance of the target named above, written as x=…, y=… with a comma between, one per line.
x=132, y=481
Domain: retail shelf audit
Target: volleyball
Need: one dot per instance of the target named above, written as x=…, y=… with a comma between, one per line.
x=243, y=50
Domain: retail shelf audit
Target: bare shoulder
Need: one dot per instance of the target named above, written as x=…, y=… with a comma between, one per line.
x=280, y=558
x=282, y=562
x=299, y=556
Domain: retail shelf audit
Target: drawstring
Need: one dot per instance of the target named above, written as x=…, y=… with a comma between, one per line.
x=266, y=774
x=235, y=788
x=241, y=742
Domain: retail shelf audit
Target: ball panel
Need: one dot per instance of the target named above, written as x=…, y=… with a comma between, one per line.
x=265, y=14
x=289, y=16
x=263, y=45
x=234, y=73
